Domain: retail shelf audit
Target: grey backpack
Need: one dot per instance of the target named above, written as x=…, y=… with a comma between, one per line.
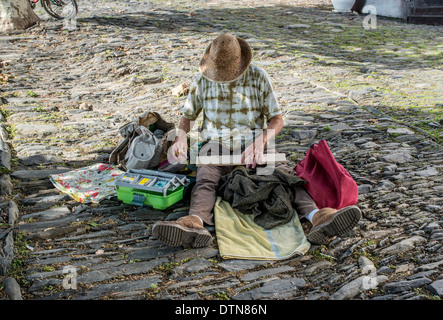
x=145, y=142
x=144, y=151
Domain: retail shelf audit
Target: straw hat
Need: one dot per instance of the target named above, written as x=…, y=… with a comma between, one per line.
x=226, y=58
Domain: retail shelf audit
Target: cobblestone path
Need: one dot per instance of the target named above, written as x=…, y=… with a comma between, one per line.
x=374, y=95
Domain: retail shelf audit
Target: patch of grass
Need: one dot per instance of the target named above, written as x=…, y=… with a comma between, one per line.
x=48, y=268
x=426, y=293
x=17, y=269
x=31, y=94
x=319, y=255
x=221, y=296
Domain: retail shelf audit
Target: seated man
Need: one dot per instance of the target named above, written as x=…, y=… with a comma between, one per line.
x=235, y=95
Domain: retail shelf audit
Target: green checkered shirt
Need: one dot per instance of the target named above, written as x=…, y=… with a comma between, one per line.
x=234, y=109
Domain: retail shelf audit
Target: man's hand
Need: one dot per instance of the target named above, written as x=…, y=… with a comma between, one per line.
x=180, y=150
x=253, y=154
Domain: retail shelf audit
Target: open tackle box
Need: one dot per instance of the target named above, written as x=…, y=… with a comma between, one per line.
x=151, y=188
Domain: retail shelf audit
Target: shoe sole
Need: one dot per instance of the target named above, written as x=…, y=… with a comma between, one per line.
x=343, y=221
x=176, y=235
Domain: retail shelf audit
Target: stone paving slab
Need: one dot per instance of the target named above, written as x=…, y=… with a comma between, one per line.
x=374, y=95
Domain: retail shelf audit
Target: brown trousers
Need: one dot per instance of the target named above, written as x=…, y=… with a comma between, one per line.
x=204, y=192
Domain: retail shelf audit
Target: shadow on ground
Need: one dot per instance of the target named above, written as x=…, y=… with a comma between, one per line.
x=316, y=33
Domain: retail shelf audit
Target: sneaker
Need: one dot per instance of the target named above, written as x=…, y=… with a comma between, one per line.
x=187, y=231
x=328, y=223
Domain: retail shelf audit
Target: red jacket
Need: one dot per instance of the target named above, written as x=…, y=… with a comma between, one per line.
x=329, y=184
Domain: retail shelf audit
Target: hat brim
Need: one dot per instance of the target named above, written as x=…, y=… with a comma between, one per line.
x=227, y=74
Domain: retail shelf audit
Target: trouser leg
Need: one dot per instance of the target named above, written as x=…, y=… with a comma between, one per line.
x=303, y=202
x=204, y=192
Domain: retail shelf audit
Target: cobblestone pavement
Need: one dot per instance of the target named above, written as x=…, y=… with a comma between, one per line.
x=374, y=95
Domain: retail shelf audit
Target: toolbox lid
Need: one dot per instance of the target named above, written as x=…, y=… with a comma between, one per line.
x=151, y=180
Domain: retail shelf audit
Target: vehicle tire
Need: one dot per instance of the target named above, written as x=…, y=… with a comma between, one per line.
x=61, y=9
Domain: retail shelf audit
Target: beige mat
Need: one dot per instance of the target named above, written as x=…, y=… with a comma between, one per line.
x=239, y=237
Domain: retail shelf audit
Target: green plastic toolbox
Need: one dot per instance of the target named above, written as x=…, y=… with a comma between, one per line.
x=143, y=187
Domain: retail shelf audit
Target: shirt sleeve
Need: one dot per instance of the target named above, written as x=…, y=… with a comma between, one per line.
x=269, y=101
x=193, y=104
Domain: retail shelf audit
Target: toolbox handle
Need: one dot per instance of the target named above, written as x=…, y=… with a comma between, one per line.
x=138, y=199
